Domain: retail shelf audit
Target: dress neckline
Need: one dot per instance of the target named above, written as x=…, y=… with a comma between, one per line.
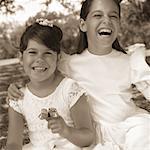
x=112, y=53
x=45, y=97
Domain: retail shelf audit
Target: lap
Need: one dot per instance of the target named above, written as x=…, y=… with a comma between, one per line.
x=131, y=134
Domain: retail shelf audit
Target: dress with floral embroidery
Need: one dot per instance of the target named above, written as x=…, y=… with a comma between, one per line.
x=63, y=98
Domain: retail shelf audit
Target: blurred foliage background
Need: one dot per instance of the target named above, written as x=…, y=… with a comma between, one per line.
x=135, y=25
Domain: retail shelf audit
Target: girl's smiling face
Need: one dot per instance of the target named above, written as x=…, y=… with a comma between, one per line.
x=101, y=24
x=39, y=61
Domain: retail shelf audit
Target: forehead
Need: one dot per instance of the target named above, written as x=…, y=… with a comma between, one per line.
x=104, y=6
x=37, y=45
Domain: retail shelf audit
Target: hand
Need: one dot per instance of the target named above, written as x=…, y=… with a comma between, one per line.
x=58, y=125
x=55, y=122
x=13, y=92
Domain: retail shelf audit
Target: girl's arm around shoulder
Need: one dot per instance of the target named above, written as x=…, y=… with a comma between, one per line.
x=14, y=92
x=15, y=131
x=83, y=133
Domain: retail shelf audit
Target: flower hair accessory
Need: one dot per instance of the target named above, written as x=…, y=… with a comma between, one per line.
x=44, y=22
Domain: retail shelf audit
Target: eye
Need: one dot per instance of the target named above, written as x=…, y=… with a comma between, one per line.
x=32, y=52
x=114, y=16
x=97, y=15
x=48, y=53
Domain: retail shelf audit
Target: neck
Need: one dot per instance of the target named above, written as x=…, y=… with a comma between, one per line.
x=42, y=84
x=42, y=88
x=100, y=50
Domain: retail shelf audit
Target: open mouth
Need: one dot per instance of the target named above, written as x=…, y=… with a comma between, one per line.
x=39, y=69
x=105, y=32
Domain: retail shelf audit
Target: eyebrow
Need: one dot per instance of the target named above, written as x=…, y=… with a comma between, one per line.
x=46, y=50
x=95, y=11
x=31, y=48
x=115, y=12
x=99, y=11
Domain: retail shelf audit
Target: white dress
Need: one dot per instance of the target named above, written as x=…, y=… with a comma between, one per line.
x=63, y=98
x=120, y=125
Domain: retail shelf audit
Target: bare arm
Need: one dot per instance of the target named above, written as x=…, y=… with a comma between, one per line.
x=83, y=133
x=15, y=131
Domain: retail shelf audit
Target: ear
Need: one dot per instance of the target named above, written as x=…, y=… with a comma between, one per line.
x=82, y=25
x=20, y=56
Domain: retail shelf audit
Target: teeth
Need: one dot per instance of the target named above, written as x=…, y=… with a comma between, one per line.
x=105, y=30
x=39, y=68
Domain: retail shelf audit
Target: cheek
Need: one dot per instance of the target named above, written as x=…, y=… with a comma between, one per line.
x=52, y=62
x=116, y=24
x=26, y=61
x=90, y=30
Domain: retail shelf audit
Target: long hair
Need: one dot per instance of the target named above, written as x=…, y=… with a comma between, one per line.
x=83, y=43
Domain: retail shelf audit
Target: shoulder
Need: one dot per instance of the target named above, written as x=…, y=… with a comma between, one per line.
x=137, y=48
x=137, y=55
x=121, y=57
x=69, y=83
x=120, y=53
x=73, y=56
x=17, y=105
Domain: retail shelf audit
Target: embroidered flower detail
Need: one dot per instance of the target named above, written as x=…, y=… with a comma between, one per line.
x=75, y=91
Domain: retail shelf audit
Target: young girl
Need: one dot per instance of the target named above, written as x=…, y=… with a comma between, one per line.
x=39, y=47
x=104, y=69
x=106, y=72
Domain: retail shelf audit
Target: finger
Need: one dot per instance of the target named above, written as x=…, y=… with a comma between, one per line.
x=7, y=100
x=52, y=124
x=54, y=127
x=52, y=121
x=14, y=93
x=56, y=130
x=15, y=89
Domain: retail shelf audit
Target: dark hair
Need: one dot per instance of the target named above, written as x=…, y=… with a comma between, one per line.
x=49, y=36
x=83, y=44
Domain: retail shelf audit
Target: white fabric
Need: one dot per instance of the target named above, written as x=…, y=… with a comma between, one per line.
x=140, y=71
x=107, y=80
x=63, y=98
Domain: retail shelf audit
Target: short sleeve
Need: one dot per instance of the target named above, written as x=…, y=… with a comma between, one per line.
x=72, y=92
x=16, y=105
x=140, y=70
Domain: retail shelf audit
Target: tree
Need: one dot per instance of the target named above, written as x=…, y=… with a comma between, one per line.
x=9, y=7
x=134, y=22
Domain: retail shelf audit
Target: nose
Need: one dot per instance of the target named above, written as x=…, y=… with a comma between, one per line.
x=39, y=60
x=106, y=20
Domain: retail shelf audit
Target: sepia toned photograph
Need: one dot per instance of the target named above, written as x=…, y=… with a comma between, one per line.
x=74, y=74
